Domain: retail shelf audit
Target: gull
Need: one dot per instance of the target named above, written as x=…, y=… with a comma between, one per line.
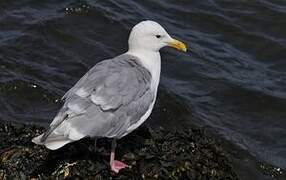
x=115, y=96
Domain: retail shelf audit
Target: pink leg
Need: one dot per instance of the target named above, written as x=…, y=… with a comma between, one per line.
x=115, y=165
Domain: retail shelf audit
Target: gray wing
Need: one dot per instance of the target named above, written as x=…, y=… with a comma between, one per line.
x=107, y=100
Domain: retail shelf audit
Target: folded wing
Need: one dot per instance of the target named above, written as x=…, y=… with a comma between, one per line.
x=108, y=99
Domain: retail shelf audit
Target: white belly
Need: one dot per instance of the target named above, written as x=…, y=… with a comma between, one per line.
x=142, y=119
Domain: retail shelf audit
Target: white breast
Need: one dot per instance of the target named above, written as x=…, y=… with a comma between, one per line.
x=151, y=60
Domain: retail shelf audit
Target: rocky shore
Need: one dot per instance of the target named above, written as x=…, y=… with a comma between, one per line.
x=152, y=154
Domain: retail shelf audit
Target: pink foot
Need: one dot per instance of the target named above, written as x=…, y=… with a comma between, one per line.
x=116, y=166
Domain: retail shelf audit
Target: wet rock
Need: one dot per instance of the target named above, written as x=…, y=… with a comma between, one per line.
x=151, y=154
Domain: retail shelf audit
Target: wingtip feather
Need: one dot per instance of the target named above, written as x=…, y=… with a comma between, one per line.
x=52, y=143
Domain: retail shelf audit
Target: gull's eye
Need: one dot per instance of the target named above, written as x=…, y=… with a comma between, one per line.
x=158, y=36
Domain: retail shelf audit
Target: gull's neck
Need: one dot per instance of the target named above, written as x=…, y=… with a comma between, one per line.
x=151, y=60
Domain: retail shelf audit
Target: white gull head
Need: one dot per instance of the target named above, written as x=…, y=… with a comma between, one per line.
x=151, y=36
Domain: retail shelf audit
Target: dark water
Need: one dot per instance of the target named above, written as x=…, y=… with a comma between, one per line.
x=233, y=79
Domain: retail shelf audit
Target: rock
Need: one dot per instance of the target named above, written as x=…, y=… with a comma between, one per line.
x=152, y=154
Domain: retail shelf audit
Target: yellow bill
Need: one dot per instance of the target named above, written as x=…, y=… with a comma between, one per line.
x=178, y=45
